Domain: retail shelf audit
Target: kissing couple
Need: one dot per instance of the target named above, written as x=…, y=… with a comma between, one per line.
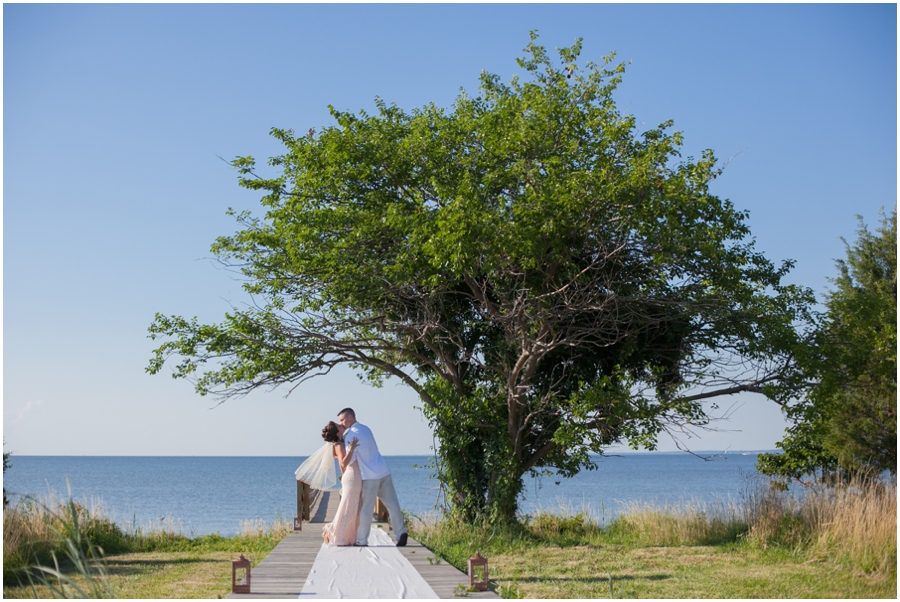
x=365, y=476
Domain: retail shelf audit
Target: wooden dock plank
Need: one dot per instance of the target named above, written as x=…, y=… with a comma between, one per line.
x=283, y=572
x=443, y=577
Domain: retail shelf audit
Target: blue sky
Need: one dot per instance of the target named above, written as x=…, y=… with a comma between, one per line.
x=115, y=118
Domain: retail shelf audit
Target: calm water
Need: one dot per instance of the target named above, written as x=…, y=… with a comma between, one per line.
x=204, y=495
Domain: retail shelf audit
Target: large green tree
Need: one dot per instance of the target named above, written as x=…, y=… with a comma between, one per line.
x=848, y=420
x=548, y=280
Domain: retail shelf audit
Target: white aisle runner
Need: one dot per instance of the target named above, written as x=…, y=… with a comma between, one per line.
x=376, y=571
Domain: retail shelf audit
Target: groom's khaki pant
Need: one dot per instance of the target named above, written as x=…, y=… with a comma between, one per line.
x=378, y=488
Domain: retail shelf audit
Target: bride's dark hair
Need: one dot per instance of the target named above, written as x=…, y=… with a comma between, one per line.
x=330, y=432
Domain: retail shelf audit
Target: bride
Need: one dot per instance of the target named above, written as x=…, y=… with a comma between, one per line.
x=318, y=471
x=342, y=530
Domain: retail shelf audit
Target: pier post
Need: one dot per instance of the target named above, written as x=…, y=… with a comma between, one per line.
x=303, y=503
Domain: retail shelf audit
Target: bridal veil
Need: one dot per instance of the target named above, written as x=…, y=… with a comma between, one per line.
x=319, y=471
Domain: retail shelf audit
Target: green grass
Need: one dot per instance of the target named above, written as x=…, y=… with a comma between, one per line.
x=581, y=565
x=837, y=543
x=53, y=549
x=157, y=575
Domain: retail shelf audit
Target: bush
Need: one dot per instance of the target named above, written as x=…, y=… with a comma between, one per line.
x=549, y=526
x=104, y=534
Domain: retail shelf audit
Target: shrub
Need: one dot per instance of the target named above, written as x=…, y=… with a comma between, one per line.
x=547, y=526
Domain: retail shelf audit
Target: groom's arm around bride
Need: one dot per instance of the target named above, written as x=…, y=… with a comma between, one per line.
x=376, y=480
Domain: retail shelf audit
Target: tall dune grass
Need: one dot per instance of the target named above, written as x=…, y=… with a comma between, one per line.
x=257, y=527
x=677, y=524
x=854, y=523
x=37, y=532
x=56, y=548
x=862, y=531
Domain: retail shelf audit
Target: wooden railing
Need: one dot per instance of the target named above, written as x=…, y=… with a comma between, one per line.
x=307, y=498
x=381, y=511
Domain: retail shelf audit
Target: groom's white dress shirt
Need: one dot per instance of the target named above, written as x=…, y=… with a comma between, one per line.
x=371, y=462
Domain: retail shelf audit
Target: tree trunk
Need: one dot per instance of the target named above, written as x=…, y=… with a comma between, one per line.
x=481, y=477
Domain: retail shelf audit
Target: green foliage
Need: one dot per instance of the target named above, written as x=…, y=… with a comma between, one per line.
x=848, y=420
x=6, y=465
x=548, y=279
x=254, y=545
x=510, y=591
x=102, y=533
x=558, y=528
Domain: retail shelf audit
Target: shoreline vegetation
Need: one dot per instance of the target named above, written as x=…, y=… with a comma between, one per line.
x=109, y=561
x=828, y=542
x=838, y=542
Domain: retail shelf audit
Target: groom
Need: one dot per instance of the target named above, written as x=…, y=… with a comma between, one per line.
x=376, y=479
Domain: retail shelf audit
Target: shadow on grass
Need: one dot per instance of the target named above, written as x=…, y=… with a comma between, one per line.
x=598, y=579
x=122, y=567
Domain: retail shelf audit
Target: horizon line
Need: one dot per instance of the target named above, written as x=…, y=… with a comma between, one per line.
x=615, y=453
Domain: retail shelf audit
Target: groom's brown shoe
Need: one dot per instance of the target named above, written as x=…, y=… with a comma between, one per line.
x=401, y=541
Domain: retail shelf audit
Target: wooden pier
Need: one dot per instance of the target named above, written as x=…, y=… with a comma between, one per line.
x=283, y=572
